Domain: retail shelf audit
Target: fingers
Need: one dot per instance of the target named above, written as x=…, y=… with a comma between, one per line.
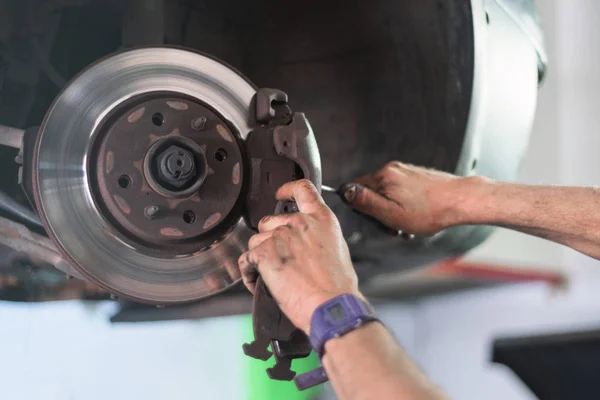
x=368, y=202
x=368, y=180
x=373, y=180
x=257, y=239
x=272, y=222
x=258, y=249
x=304, y=193
x=267, y=259
x=249, y=271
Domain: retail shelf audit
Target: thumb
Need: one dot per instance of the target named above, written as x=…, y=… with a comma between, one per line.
x=368, y=202
x=304, y=193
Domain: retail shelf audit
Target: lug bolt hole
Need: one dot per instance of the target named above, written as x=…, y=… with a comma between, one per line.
x=124, y=181
x=158, y=119
x=221, y=155
x=189, y=217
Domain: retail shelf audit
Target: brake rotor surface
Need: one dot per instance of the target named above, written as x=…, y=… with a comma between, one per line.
x=139, y=174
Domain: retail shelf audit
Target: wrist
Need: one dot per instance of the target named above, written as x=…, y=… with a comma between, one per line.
x=337, y=345
x=468, y=200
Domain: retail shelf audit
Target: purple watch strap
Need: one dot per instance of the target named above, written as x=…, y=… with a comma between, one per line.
x=333, y=319
x=311, y=378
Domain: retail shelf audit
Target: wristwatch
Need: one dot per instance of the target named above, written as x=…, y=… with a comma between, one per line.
x=333, y=319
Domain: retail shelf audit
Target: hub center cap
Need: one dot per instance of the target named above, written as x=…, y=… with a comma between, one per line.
x=175, y=167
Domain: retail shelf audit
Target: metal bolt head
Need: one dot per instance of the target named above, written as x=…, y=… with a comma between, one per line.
x=199, y=124
x=151, y=212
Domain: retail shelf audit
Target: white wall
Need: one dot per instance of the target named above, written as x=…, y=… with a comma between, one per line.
x=457, y=333
x=69, y=350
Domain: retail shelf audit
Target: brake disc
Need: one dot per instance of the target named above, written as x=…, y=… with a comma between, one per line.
x=139, y=174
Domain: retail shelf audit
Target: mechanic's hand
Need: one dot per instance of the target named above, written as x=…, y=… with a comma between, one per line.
x=302, y=257
x=412, y=199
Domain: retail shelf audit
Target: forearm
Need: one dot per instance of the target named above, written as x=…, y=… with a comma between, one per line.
x=368, y=364
x=567, y=215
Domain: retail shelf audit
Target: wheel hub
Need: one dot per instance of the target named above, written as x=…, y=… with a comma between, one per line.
x=161, y=179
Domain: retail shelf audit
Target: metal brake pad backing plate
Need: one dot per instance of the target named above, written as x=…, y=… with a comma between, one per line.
x=97, y=174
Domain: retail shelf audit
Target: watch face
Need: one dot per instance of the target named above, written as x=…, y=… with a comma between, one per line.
x=336, y=312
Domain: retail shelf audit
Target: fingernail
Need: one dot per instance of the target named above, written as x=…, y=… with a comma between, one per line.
x=350, y=191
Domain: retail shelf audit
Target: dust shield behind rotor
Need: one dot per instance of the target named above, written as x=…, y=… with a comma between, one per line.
x=66, y=184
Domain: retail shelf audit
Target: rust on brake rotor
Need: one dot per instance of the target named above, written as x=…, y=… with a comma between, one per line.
x=167, y=172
